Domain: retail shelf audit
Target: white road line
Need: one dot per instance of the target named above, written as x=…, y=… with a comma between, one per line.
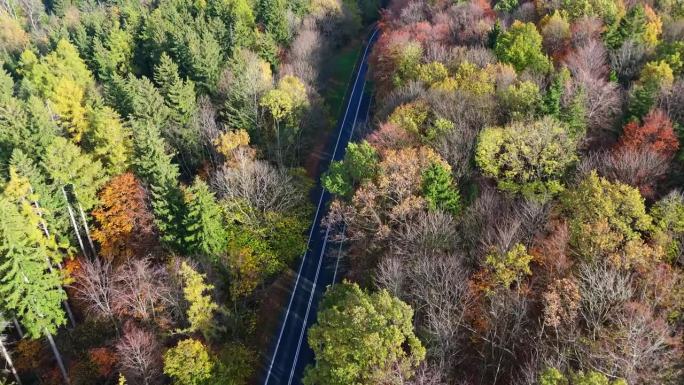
x=308, y=307
x=318, y=208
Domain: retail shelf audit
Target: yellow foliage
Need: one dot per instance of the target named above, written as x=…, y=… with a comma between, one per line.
x=13, y=38
x=66, y=100
x=229, y=141
x=654, y=27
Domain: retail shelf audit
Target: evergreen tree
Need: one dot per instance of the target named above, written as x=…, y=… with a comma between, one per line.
x=272, y=15
x=67, y=165
x=109, y=139
x=28, y=289
x=203, y=223
x=242, y=25
x=153, y=165
x=439, y=190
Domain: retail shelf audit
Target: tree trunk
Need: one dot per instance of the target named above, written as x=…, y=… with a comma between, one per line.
x=87, y=229
x=8, y=359
x=58, y=357
x=17, y=327
x=73, y=223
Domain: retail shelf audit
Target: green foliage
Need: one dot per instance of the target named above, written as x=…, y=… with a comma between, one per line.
x=506, y=5
x=188, y=363
x=521, y=100
x=509, y=267
x=521, y=46
x=109, y=140
x=608, y=10
x=362, y=338
x=407, y=63
x=360, y=164
x=552, y=376
x=605, y=217
x=28, y=289
x=271, y=13
x=527, y=158
x=654, y=77
x=640, y=24
x=668, y=218
x=672, y=53
x=67, y=165
x=439, y=190
x=203, y=222
x=153, y=165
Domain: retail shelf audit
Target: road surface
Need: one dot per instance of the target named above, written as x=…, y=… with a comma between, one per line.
x=290, y=352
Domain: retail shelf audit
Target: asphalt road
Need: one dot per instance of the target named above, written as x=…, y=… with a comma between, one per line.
x=290, y=352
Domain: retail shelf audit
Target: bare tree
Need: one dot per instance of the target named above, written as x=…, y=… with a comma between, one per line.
x=139, y=355
x=257, y=182
x=428, y=233
x=439, y=290
x=142, y=291
x=604, y=292
x=391, y=274
x=628, y=59
x=94, y=286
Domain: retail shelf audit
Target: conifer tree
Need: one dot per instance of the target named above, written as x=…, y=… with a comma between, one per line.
x=109, y=139
x=153, y=165
x=28, y=288
x=205, y=232
x=272, y=14
x=439, y=190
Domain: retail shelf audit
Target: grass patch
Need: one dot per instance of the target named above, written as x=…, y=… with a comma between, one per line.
x=339, y=69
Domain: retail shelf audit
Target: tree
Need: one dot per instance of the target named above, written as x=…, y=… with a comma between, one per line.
x=142, y=291
x=199, y=295
x=521, y=46
x=654, y=78
x=67, y=165
x=655, y=134
x=29, y=289
x=362, y=338
x=360, y=164
x=4, y=352
x=243, y=23
x=272, y=14
x=606, y=219
x=109, y=139
x=153, y=165
x=94, y=287
x=139, y=356
x=188, y=363
x=511, y=266
x=439, y=190
x=530, y=159
x=125, y=227
x=205, y=233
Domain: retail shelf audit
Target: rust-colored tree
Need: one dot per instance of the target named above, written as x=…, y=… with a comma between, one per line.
x=655, y=134
x=125, y=225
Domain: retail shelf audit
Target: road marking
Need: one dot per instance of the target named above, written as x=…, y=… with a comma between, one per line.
x=327, y=231
x=308, y=306
x=318, y=208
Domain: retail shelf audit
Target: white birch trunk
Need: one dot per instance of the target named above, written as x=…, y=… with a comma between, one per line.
x=8, y=359
x=73, y=223
x=58, y=357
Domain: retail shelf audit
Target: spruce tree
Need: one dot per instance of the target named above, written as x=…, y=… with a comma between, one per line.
x=153, y=165
x=27, y=288
x=203, y=223
x=439, y=190
x=272, y=15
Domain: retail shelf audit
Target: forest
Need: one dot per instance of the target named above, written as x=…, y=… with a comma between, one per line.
x=512, y=214
x=154, y=178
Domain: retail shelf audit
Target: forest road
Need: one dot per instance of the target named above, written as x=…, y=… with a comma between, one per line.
x=290, y=352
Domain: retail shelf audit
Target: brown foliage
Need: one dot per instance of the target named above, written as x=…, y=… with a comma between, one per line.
x=125, y=226
x=104, y=360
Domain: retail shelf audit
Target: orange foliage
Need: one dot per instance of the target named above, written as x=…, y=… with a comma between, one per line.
x=656, y=134
x=125, y=225
x=104, y=359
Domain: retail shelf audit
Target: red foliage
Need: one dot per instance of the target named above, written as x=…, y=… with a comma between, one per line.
x=389, y=136
x=104, y=359
x=656, y=134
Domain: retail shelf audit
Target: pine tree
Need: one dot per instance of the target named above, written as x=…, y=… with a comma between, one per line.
x=439, y=190
x=67, y=165
x=203, y=223
x=153, y=165
x=272, y=14
x=109, y=139
x=242, y=25
x=27, y=287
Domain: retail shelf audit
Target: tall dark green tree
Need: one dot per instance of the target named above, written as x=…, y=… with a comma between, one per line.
x=204, y=222
x=439, y=189
x=152, y=163
x=272, y=14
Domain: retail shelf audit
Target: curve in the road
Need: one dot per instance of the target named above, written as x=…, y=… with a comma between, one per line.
x=289, y=357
